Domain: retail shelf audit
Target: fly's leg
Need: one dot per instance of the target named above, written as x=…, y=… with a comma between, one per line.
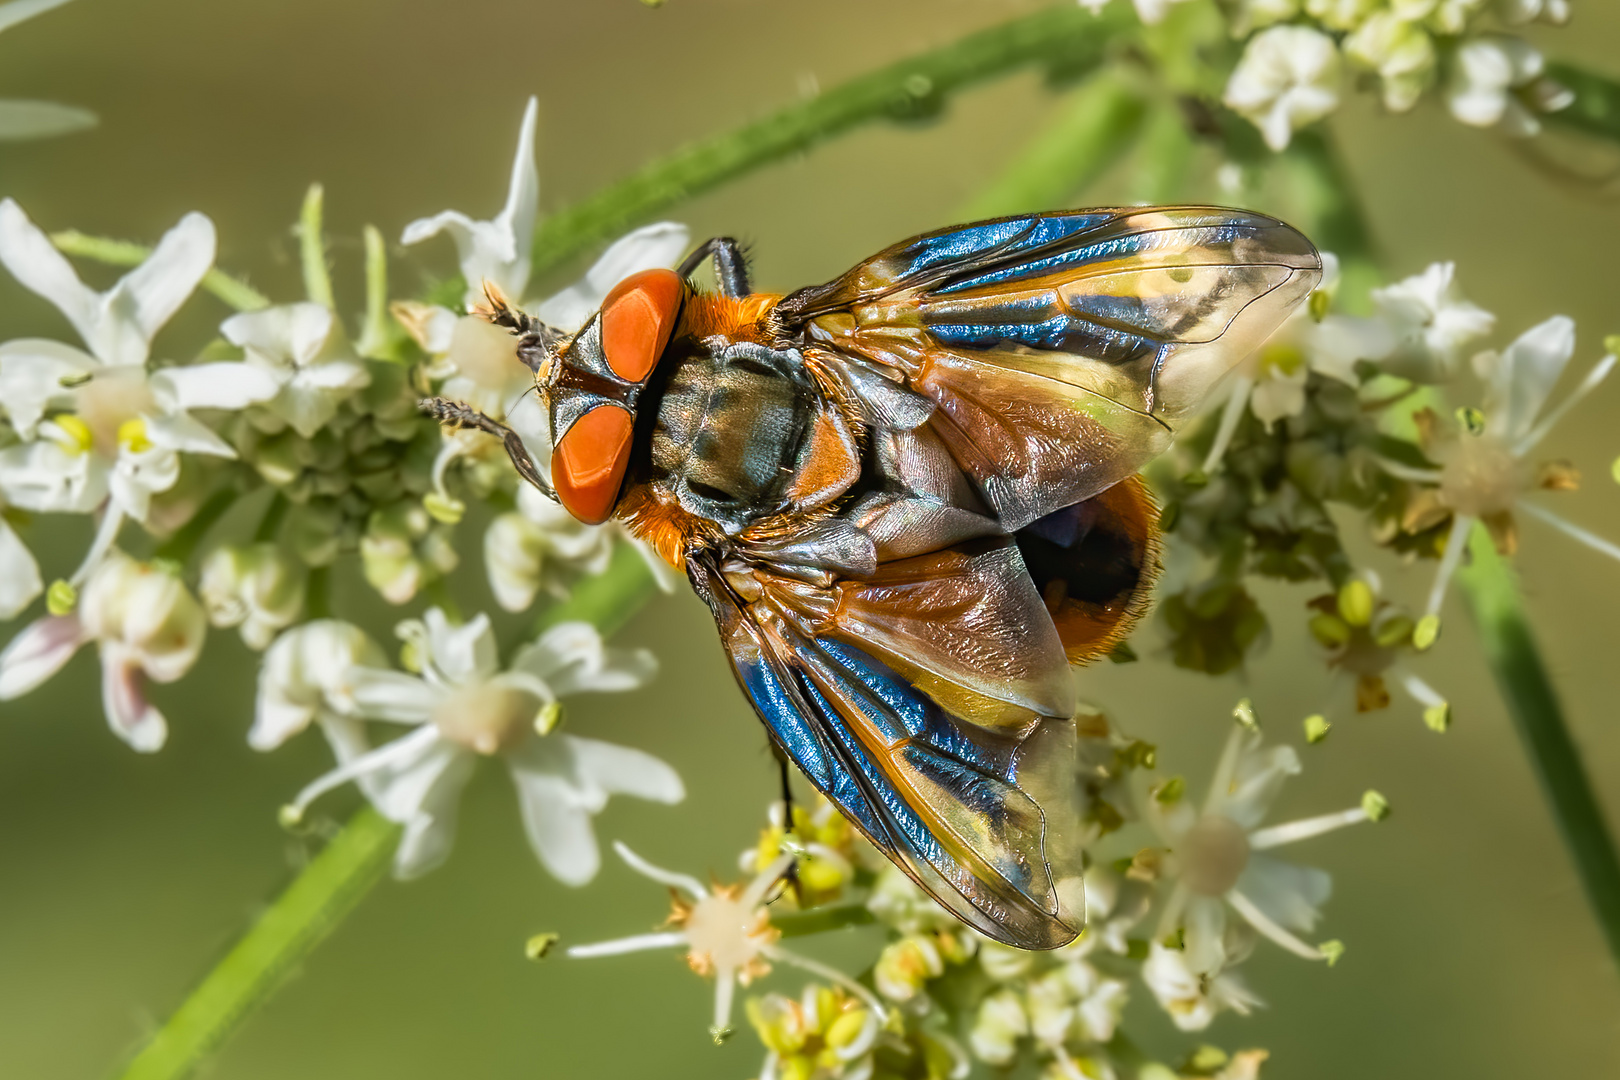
x=457, y=414
x=790, y=841
x=730, y=266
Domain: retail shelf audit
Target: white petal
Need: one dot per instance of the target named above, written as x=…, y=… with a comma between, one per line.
x=37, y=653
x=15, y=12
x=288, y=334
x=43, y=477
x=1204, y=924
x=425, y=843
x=465, y=653
x=1259, y=778
x=180, y=432
x=622, y=770
x=31, y=374
x=123, y=698
x=34, y=261
x=522, y=193
x=558, y=825
x=158, y=286
x=647, y=248
x=1526, y=374
x=1289, y=895
x=19, y=574
x=226, y=384
x=41, y=119
x=380, y=694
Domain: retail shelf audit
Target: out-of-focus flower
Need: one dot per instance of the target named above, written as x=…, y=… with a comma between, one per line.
x=1151, y=12
x=726, y=932
x=1399, y=51
x=999, y=1023
x=1498, y=81
x=905, y=965
x=824, y=842
x=124, y=427
x=1192, y=1000
x=1523, y=11
x=36, y=119
x=827, y=1034
x=403, y=549
x=1364, y=636
x=145, y=624
x=304, y=678
x=1219, y=856
x=1252, y=15
x=1340, y=14
x=1288, y=77
x=463, y=706
x=1483, y=474
x=1431, y=323
x=301, y=348
x=257, y=588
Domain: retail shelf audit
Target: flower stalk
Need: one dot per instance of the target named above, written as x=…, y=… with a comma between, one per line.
x=1527, y=688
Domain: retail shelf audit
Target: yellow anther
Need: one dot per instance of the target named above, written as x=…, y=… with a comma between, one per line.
x=77, y=431
x=132, y=433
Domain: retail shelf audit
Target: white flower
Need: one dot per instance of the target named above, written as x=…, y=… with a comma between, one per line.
x=1491, y=78
x=1192, y=1000
x=524, y=549
x=19, y=573
x=1431, y=322
x=1218, y=857
x=36, y=119
x=1151, y=12
x=146, y=625
x=1252, y=15
x=496, y=251
x=1340, y=14
x=303, y=678
x=258, y=588
x=462, y=707
x=1483, y=475
x=726, y=932
x=1288, y=77
x=125, y=427
x=828, y=1034
x=312, y=366
x=1401, y=52
x=997, y=1026
x=1523, y=11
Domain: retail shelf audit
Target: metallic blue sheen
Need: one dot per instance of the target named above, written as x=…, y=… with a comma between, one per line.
x=1003, y=237
x=791, y=729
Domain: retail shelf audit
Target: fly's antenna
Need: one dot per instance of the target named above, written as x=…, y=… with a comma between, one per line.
x=537, y=343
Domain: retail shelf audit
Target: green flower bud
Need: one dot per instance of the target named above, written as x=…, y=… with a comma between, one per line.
x=1330, y=630
x=1356, y=602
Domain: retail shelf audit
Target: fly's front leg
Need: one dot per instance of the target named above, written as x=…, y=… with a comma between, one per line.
x=456, y=414
x=730, y=266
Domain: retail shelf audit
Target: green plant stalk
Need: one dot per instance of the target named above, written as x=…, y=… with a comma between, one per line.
x=233, y=291
x=1596, y=108
x=312, y=248
x=822, y=920
x=336, y=880
x=1093, y=129
x=1065, y=38
x=1332, y=211
x=1510, y=648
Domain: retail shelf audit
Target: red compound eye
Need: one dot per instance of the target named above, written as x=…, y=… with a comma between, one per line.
x=587, y=466
x=637, y=318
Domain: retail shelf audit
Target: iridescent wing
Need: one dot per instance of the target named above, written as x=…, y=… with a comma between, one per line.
x=932, y=703
x=1061, y=350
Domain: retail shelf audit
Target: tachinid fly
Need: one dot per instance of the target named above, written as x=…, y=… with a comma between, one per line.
x=909, y=498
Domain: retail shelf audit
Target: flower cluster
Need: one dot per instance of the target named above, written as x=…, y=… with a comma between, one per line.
x=1297, y=56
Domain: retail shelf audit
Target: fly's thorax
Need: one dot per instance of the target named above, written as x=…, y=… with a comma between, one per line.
x=741, y=433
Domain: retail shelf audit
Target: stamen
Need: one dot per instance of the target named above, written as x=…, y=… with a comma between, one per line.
x=1573, y=531
x=1294, y=831
x=1172, y=911
x=664, y=877
x=725, y=985
x=1230, y=415
x=1407, y=472
x=755, y=893
x=1455, y=543
x=1261, y=922
x=668, y=939
x=831, y=974
x=106, y=534
x=1225, y=769
x=1421, y=692
x=1599, y=372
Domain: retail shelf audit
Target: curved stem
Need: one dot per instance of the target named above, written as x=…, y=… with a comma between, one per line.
x=1510, y=649
x=1065, y=38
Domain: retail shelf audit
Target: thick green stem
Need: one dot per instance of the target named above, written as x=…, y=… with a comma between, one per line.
x=336, y=879
x=1093, y=129
x=1065, y=38
x=822, y=920
x=1510, y=648
x=1596, y=108
x=238, y=294
x=317, y=900
x=312, y=248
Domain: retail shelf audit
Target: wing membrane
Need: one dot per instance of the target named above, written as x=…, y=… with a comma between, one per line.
x=1061, y=350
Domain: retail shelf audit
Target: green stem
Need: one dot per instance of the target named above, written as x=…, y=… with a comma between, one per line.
x=233, y=291
x=312, y=248
x=1164, y=157
x=1332, y=212
x=179, y=547
x=821, y=920
x=1093, y=129
x=330, y=886
x=326, y=890
x=1596, y=109
x=1510, y=648
x=1065, y=38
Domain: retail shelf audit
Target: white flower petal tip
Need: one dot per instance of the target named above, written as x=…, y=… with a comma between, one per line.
x=1288, y=77
x=37, y=653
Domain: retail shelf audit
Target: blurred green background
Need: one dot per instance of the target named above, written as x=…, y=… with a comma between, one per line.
x=122, y=878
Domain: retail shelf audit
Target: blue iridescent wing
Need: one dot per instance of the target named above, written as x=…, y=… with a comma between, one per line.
x=966, y=782
x=1061, y=350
